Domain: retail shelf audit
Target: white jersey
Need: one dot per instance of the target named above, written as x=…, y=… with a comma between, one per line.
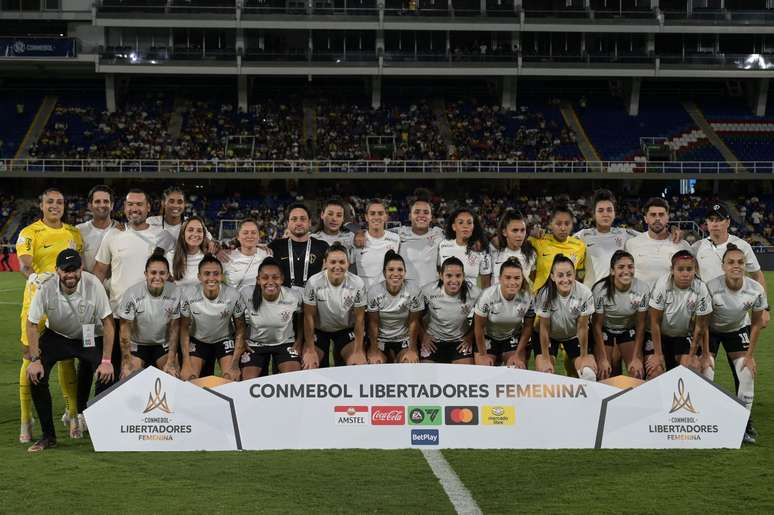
x=448, y=319
x=346, y=238
x=652, y=258
x=731, y=309
x=710, y=256
x=620, y=312
x=564, y=312
x=335, y=304
x=67, y=314
x=150, y=314
x=191, y=273
x=92, y=239
x=679, y=306
x=420, y=253
x=501, y=256
x=475, y=263
x=369, y=260
x=242, y=270
x=394, y=310
x=272, y=322
x=168, y=234
x=600, y=247
x=126, y=253
x=211, y=320
x=504, y=318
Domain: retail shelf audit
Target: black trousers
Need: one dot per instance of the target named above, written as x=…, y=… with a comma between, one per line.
x=54, y=348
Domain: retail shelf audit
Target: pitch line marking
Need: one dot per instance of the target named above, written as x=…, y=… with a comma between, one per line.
x=456, y=491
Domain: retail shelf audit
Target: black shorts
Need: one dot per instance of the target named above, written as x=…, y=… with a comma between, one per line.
x=393, y=347
x=340, y=339
x=671, y=346
x=736, y=341
x=612, y=338
x=259, y=355
x=210, y=351
x=571, y=347
x=149, y=354
x=446, y=352
x=499, y=347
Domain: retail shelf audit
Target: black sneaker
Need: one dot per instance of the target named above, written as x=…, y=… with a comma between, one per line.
x=751, y=430
x=43, y=444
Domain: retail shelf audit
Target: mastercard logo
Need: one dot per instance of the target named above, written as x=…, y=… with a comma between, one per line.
x=461, y=415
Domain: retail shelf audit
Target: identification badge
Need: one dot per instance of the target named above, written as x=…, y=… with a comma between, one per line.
x=89, y=340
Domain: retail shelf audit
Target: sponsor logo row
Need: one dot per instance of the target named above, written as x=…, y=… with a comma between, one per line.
x=425, y=415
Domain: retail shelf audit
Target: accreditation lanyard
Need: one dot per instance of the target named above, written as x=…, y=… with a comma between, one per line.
x=293, y=263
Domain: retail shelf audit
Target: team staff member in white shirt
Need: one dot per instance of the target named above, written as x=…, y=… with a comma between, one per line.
x=678, y=301
x=333, y=218
x=504, y=318
x=100, y=202
x=653, y=250
x=334, y=313
x=212, y=323
x=369, y=260
x=151, y=313
x=394, y=309
x=242, y=266
x=466, y=241
x=511, y=242
x=191, y=246
x=78, y=315
x=738, y=305
x=563, y=307
x=448, y=306
x=621, y=308
x=275, y=323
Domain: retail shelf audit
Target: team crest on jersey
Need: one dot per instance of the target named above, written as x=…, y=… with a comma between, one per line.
x=312, y=258
x=691, y=303
x=225, y=313
x=347, y=301
x=636, y=302
x=285, y=316
x=465, y=309
x=374, y=304
x=471, y=259
x=619, y=242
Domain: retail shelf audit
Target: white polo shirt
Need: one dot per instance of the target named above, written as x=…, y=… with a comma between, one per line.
x=653, y=258
x=710, y=256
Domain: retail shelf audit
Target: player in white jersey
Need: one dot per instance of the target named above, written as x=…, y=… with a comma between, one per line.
x=370, y=258
x=212, y=323
x=332, y=217
x=448, y=320
x=738, y=305
x=394, y=310
x=334, y=312
x=621, y=309
x=504, y=318
x=242, y=266
x=190, y=248
x=465, y=240
x=170, y=221
x=100, y=202
x=151, y=313
x=680, y=308
x=511, y=242
x=653, y=250
x=274, y=318
x=563, y=307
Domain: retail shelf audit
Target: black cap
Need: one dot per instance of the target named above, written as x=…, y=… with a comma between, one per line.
x=719, y=211
x=68, y=259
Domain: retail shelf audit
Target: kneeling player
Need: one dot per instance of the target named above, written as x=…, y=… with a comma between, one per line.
x=563, y=307
x=449, y=309
x=212, y=323
x=271, y=312
x=151, y=310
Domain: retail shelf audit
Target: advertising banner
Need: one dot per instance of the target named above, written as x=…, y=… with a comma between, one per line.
x=38, y=47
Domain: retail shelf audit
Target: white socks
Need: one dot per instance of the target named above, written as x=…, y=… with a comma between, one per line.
x=587, y=373
x=746, y=391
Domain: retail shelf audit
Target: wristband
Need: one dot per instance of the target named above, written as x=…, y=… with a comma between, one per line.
x=36, y=358
x=106, y=361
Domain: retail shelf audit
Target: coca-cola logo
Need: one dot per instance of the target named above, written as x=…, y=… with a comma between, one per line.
x=388, y=415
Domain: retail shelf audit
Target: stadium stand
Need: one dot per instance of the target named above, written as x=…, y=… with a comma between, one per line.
x=16, y=112
x=749, y=136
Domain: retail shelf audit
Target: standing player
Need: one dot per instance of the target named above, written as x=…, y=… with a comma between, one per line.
x=419, y=242
x=334, y=313
x=563, y=307
x=620, y=313
x=169, y=222
x=511, y=242
x=100, y=202
x=737, y=319
x=212, y=323
x=449, y=305
x=243, y=262
x=190, y=248
x=300, y=255
x=678, y=301
x=38, y=246
x=332, y=217
x=394, y=309
x=558, y=241
x=275, y=330
x=369, y=260
x=466, y=241
x=504, y=318
x=151, y=313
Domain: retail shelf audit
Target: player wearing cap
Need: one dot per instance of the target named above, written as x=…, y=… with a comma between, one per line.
x=679, y=311
x=465, y=240
x=504, y=318
x=512, y=242
x=448, y=305
x=190, y=248
x=274, y=319
x=100, y=203
x=334, y=313
x=242, y=266
x=369, y=259
x=620, y=311
x=738, y=305
x=212, y=323
x=151, y=313
x=300, y=255
x=77, y=314
x=394, y=309
x=332, y=217
x=38, y=246
x=563, y=307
